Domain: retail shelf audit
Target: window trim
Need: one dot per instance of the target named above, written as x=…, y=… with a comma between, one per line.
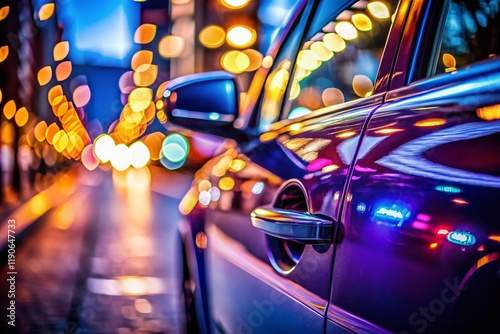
x=250, y=115
x=417, y=48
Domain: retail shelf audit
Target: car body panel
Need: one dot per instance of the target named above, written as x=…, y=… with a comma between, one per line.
x=410, y=178
x=421, y=217
x=317, y=155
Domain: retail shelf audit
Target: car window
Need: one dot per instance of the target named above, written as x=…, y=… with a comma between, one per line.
x=340, y=60
x=471, y=33
x=277, y=80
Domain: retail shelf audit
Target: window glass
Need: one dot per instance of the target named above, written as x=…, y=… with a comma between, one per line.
x=277, y=80
x=471, y=33
x=340, y=61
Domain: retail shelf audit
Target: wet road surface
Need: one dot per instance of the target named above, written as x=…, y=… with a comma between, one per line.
x=97, y=252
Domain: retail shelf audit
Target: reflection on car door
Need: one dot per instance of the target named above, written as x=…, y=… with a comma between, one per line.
x=421, y=246
x=258, y=281
x=261, y=283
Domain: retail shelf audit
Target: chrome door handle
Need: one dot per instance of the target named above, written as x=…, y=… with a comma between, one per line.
x=291, y=225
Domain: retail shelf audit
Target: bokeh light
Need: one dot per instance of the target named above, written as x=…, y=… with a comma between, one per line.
x=307, y=60
x=145, y=75
x=46, y=11
x=310, y=97
x=212, y=36
x=22, y=117
x=267, y=62
x=44, y=75
x=334, y=42
x=204, y=197
x=378, y=9
x=9, y=109
x=60, y=140
x=362, y=22
x=237, y=165
x=55, y=95
x=63, y=70
x=346, y=30
x=362, y=85
x=4, y=52
x=40, y=130
x=294, y=90
x=162, y=117
x=140, y=154
x=126, y=82
x=145, y=33
x=188, y=202
x=258, y=188
x=255, y=58
x=81, y=96
x=142, y=305
x=332, y=96
x=61, y=50
x=51, y=131
x=140, y=58
x=226, y=183
x=153, y=142
x=121, y=157
x=321, y=51
x=241, y=36
x=61, y=109
x=175, y=147
x=204, y=185
x=30, y=137
x=103, y=147
x=171, y=46
x=140, y=98
x=235, y=4
x=7, y=133
x=214, y=193
x=4, y=11
x=449, y=61
x=201, y=239
x=174, y=151
x=235, y=61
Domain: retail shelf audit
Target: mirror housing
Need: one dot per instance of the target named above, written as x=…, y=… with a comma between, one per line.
x=205, y=102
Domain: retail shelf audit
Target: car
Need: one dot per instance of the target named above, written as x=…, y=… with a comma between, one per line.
x=360, y=185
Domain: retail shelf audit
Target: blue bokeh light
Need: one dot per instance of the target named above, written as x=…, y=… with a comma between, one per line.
x=174, y=151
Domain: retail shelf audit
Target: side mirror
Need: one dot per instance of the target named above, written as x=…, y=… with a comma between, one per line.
x=205, y=102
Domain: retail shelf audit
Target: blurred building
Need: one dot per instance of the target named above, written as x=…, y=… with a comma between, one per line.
x=72, y=71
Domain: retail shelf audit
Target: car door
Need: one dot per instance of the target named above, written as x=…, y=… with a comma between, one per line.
x=420, y=251
x=266, y=278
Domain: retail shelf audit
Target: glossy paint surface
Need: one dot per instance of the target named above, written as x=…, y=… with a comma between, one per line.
x=421, y=215
x=409, y=178
x=242, y=261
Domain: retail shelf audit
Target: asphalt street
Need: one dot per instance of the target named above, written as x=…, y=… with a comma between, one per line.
x=96, y=252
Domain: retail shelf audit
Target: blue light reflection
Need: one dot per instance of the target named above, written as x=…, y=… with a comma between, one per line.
x=391, y=214
x=461, y=238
